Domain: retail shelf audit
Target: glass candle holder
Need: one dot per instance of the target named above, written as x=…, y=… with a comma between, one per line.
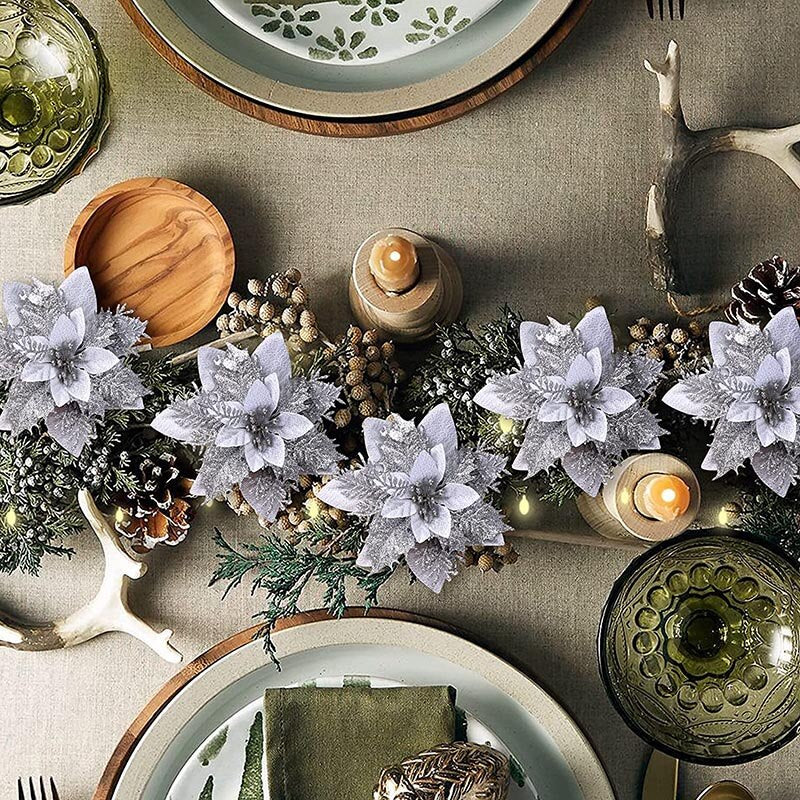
x=699, y=647
x=53, y=96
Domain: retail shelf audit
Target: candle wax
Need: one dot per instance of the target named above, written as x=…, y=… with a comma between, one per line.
x=662, y=497
x=394, y=265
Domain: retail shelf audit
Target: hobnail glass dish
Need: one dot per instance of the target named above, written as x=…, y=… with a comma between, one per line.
x=699, y=647
x=53, y=96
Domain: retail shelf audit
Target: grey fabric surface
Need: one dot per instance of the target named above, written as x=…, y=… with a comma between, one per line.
x=540, y=195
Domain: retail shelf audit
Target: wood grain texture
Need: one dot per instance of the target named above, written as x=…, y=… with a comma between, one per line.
x=386, y=126
x=160, y=248
x=131, y=737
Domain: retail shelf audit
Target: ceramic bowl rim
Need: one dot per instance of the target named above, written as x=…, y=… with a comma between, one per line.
x=602, y=633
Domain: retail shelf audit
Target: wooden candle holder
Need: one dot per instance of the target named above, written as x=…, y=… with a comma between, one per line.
x=613, y=513
x=435, y=299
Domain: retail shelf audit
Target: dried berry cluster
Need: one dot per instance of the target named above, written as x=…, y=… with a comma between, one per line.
x=682, y=349
x=279, y=303
x=490, y=559
x=368, y=374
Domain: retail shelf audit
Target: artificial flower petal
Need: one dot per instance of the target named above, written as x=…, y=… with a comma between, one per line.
x=425, y=469
x=230, y=436
x=208, y=359
x=273, y=356
x=595, y=332
x=744, y=411
x=80, y=387
x=398, y=508
x=530, y=334
x=289, y=425
x=64, y=335
x=263, y=396
x=78, y=291
x=458, y=496
x=97, y=360
x=37, y=372
x=272, y=449
x=784, y=331
x=420, y=528
x=613, y=400
x=719, y=337
x=439, y=427
x=440, y=522
x=555, y=411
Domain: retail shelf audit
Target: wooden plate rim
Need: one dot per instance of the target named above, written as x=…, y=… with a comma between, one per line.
x=211, y=213
x=124, y=749
x=377, y=126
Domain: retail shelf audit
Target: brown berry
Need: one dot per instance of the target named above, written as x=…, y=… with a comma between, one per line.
x=370, y=337
x=661, y=332
x=308, y=319
x=634, y=347
x=309, y=335
x=592, y=302
x=289, y=316
x=648, y=323
x=512, y=557
x=373, y=353
x=387, y=350
x=485, y=562
x=696, y=328
x=222, y=322
x=386, y=377
x=680, y=336
x=354, y=378
x=266, y=312
x=342, y=418
x=358, y=363
x=281, y=287
x=269, y=329
x=359, y=392
x=299, y=296
x=378, y=389
x=236, y=323
x=304, y=481
x=367, y=408
x=256, y=286
x=671, y=350
x=253, y=307
x=469, y=559
x=374, y=369
x=638, y=332
x=354, y=334
x=655, y=352
x=234, y=298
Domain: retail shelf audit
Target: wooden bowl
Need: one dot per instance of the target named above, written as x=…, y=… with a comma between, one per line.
x=158, y=247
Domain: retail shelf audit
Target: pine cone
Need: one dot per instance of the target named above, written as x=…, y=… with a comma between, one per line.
x=768, y=287
x=161, y=511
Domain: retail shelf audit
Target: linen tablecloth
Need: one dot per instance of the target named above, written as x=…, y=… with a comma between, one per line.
x=540, y=196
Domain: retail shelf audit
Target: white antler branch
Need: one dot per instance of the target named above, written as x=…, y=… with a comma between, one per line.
x=682, y=148
x=107, y=611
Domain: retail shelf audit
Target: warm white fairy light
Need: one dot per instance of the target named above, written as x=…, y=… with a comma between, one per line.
x=119, y=515
x=524, y=505
x=11, y=518
x=505, y=424
x=313, y=507
x=723, y=517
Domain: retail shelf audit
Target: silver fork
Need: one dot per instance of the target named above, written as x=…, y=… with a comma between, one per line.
x=673, y=12
x=32, y=794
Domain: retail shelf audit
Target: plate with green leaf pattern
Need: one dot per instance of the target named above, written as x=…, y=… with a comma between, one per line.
x=205, y=742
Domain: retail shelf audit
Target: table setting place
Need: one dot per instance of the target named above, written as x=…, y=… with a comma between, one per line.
x=349, y=454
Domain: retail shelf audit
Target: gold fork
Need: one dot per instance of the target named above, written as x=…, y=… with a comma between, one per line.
x=673, y=14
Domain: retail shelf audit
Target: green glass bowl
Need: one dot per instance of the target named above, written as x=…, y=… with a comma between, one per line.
x=699, y=647
x=53, y=96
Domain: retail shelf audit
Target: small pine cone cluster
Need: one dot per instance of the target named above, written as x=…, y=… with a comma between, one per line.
x=369, y=374
x=279, y=303
x=235, y=500
x=682, y=349
x=490, y=559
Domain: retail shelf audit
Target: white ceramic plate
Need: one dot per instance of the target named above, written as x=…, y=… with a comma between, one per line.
x=353, y=32
x=229, y=55
x=222, y=758
x=505, y=706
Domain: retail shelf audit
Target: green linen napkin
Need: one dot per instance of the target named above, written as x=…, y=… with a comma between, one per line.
x=331, y=744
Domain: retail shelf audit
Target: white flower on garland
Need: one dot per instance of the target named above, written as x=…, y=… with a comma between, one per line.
x=63, y=360
x=261, y=428
x=752, y=395
x=423, y=494
x=582, y=401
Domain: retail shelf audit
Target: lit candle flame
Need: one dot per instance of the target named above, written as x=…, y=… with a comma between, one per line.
x=395, y=256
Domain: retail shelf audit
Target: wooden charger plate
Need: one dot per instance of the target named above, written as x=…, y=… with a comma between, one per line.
x=549, y=744
x=417, y=119
x=161, y=249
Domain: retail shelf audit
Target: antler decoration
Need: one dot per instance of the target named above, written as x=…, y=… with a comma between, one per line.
x=107, y=611
x=682, y=148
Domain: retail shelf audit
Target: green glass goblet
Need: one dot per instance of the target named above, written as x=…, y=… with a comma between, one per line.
x=699, y=647
x=53, y=96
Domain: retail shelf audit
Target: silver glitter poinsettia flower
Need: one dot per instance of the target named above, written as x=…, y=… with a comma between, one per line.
x=63, y=359
x=582, y=402
x=423, y=496
x=260, y=426
x=752, y=395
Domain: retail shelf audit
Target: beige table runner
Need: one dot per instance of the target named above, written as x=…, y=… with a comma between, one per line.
x=540, y=195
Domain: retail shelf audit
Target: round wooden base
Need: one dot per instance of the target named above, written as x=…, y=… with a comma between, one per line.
x=617, y=496
x=412, y=316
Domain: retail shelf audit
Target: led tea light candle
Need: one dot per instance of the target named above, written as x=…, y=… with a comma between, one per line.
x=662, y=497
x=404, y=285
x=651, y=497
x=394, y=265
